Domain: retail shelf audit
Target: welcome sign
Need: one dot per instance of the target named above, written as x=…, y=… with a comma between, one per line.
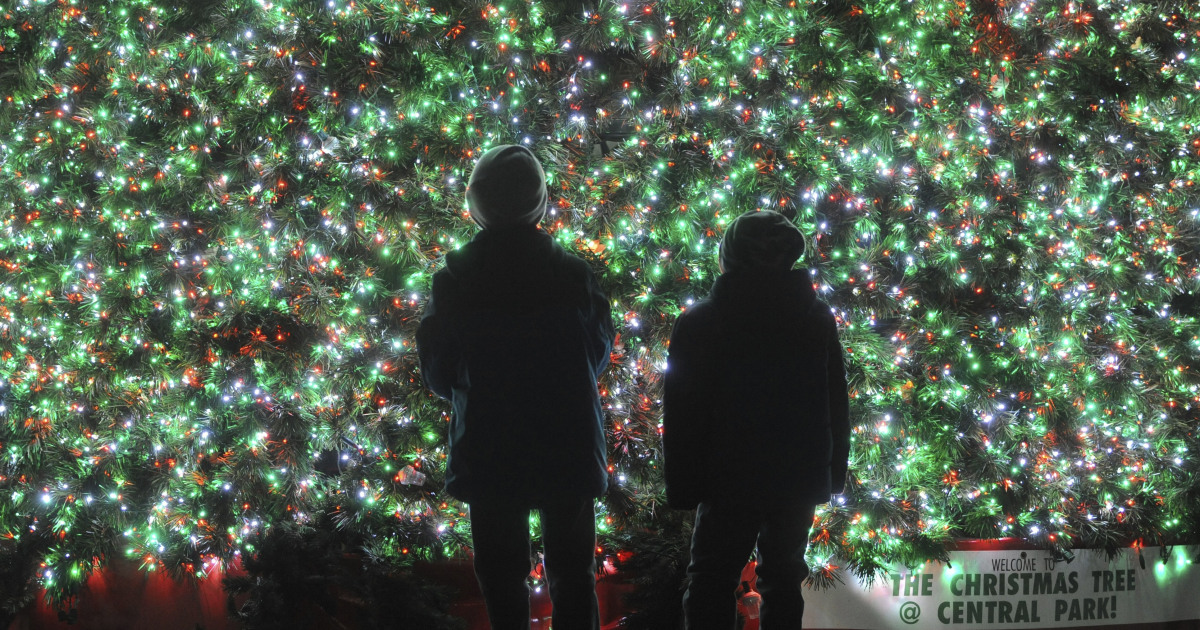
x=1019, y=589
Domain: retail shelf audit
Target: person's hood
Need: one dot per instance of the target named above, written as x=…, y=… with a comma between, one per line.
x=507, y=188
x=761, y=241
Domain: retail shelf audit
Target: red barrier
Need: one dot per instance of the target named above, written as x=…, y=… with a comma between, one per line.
x=123, y=597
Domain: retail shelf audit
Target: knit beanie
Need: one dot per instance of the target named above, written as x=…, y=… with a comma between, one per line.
x=507, y=188
x=761, y=241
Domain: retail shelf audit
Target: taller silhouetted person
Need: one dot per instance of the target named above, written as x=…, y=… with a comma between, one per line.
x=756, y=425
x=516, y=334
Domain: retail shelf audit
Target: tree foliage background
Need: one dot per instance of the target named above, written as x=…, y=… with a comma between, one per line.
x=219, y=221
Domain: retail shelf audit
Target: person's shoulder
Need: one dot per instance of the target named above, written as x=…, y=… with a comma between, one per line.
x=570, y=259
x=821, y=307
x=458, y=260
x=823, y=315
x=570, y=263
x=444, y=283
x=699, y=314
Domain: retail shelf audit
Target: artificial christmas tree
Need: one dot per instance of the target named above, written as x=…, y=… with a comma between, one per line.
x=221, y=221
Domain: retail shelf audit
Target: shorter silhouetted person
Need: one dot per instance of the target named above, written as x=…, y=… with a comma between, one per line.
x=515, y=334
x=756, y=423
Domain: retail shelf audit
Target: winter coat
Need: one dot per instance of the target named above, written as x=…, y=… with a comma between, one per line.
x=515, y=334
x=755, y=401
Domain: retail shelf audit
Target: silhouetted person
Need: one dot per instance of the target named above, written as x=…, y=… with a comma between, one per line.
x=756, y=423
x=515, y=334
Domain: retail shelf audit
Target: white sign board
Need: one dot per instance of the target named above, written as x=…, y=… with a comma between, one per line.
x=988, y=590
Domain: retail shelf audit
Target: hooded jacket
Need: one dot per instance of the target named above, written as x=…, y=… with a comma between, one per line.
x=516, y=334
x=755, y=401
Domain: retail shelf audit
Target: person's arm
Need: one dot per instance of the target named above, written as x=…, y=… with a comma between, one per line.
x=601, y=332
x=839, y=412
x=437, y=342
x=687, y=403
